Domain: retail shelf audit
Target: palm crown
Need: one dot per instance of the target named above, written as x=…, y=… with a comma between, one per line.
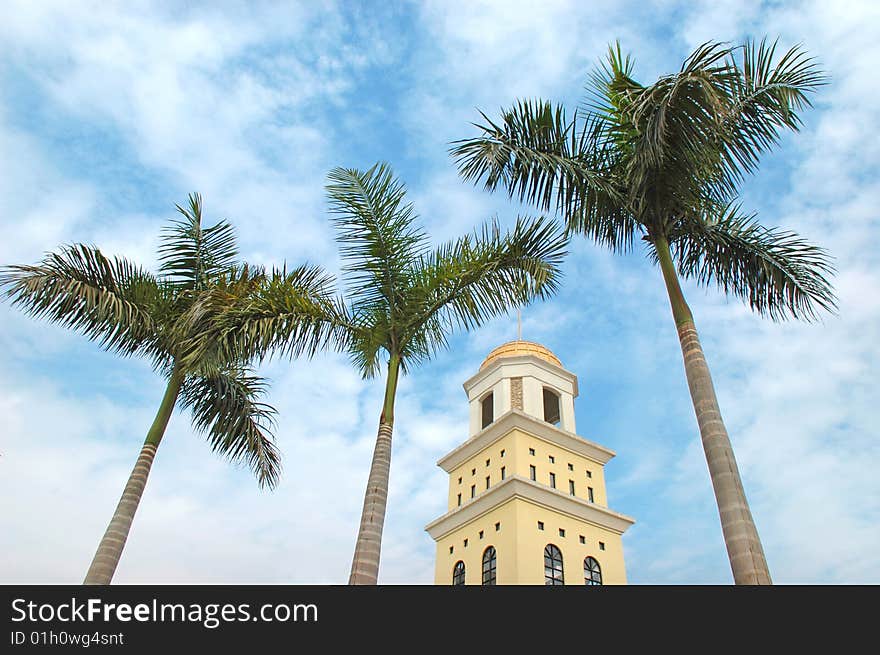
x=664, y=162
x=130, y=311
x=405, y=298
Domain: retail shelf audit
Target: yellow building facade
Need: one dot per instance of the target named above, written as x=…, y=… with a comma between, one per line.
x=527, y=501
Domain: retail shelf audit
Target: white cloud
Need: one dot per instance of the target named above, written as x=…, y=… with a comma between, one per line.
x=251, y=107
x=47, y=208
x=197, y=97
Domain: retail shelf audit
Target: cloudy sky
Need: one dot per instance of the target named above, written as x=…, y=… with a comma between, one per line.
x=110, y=114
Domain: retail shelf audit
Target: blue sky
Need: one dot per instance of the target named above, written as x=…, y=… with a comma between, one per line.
x=110, y=115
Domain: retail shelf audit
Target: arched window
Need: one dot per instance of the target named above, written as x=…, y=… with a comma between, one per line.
x=488, y=405
x=551, y=406
x=458, y=573
x=489, y=575
x=553, y=566
x=592, y=572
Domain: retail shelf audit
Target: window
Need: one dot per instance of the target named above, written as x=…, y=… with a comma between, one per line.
x=473, y=471
x=552, y=459
x=487, y=481
x=540, y=525
x=551, y=407
x=553, y=575
x=571, y=487
x=553, y=480
x=601, y=545
x=487, y=462
x=459, y=500
x=503, y=472
x=458, y=573
x=502, y=453
x=589, y=474
x=571, y=467
x=451, y=548
x=489, y=567
x=473, y=490
x=531, y=451
x=582, y=538
x=459, y=481
x=561, y=532
x=481, y=534
x=465, y=543
x=533, y=473
x=497, y=527
x=592, y=572
x=590, y=494
x=488, y=405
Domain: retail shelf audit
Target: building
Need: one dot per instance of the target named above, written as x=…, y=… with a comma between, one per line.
x=527, y=501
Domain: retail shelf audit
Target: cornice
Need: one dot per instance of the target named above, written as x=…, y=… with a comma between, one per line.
x=518, y=487
x=516, y=419
x=521, y=359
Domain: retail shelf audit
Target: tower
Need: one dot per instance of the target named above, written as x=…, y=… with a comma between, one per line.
x=527, y=501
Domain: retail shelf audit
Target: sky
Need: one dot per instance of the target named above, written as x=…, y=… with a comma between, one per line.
x=110, y=113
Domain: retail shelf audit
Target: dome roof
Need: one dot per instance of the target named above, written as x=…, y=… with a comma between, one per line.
x=517, y=348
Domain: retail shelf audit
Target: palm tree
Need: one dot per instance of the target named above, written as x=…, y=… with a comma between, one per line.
x=664, y=162
x=166, y=318
x=406, y=299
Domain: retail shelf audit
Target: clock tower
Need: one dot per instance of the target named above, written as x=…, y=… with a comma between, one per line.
x=527, y=500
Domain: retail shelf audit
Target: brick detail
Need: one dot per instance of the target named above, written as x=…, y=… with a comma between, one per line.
x=516, y=393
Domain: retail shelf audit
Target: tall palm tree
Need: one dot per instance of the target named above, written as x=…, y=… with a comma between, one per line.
x=129, y=311
x=664, y=162
x=405, y=299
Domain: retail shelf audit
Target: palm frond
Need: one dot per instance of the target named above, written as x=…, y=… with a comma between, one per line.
x=680, y=113
x=248, y=313
x=464, y=283
x=766, y=97
x=611, y=91
x=421, y=346
x=190, y=254
x=376, y=232
x=775, y=271
x=111, y=301
x=226, y=408
x=541, y=157
x=610, y=85
x=673, y=156
x=369, y=336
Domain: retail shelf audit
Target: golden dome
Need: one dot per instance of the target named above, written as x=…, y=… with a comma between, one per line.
x=516, y=348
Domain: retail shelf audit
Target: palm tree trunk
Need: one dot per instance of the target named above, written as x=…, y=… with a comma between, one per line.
x=365, y=564
x=110, y=549
x=740, y=534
